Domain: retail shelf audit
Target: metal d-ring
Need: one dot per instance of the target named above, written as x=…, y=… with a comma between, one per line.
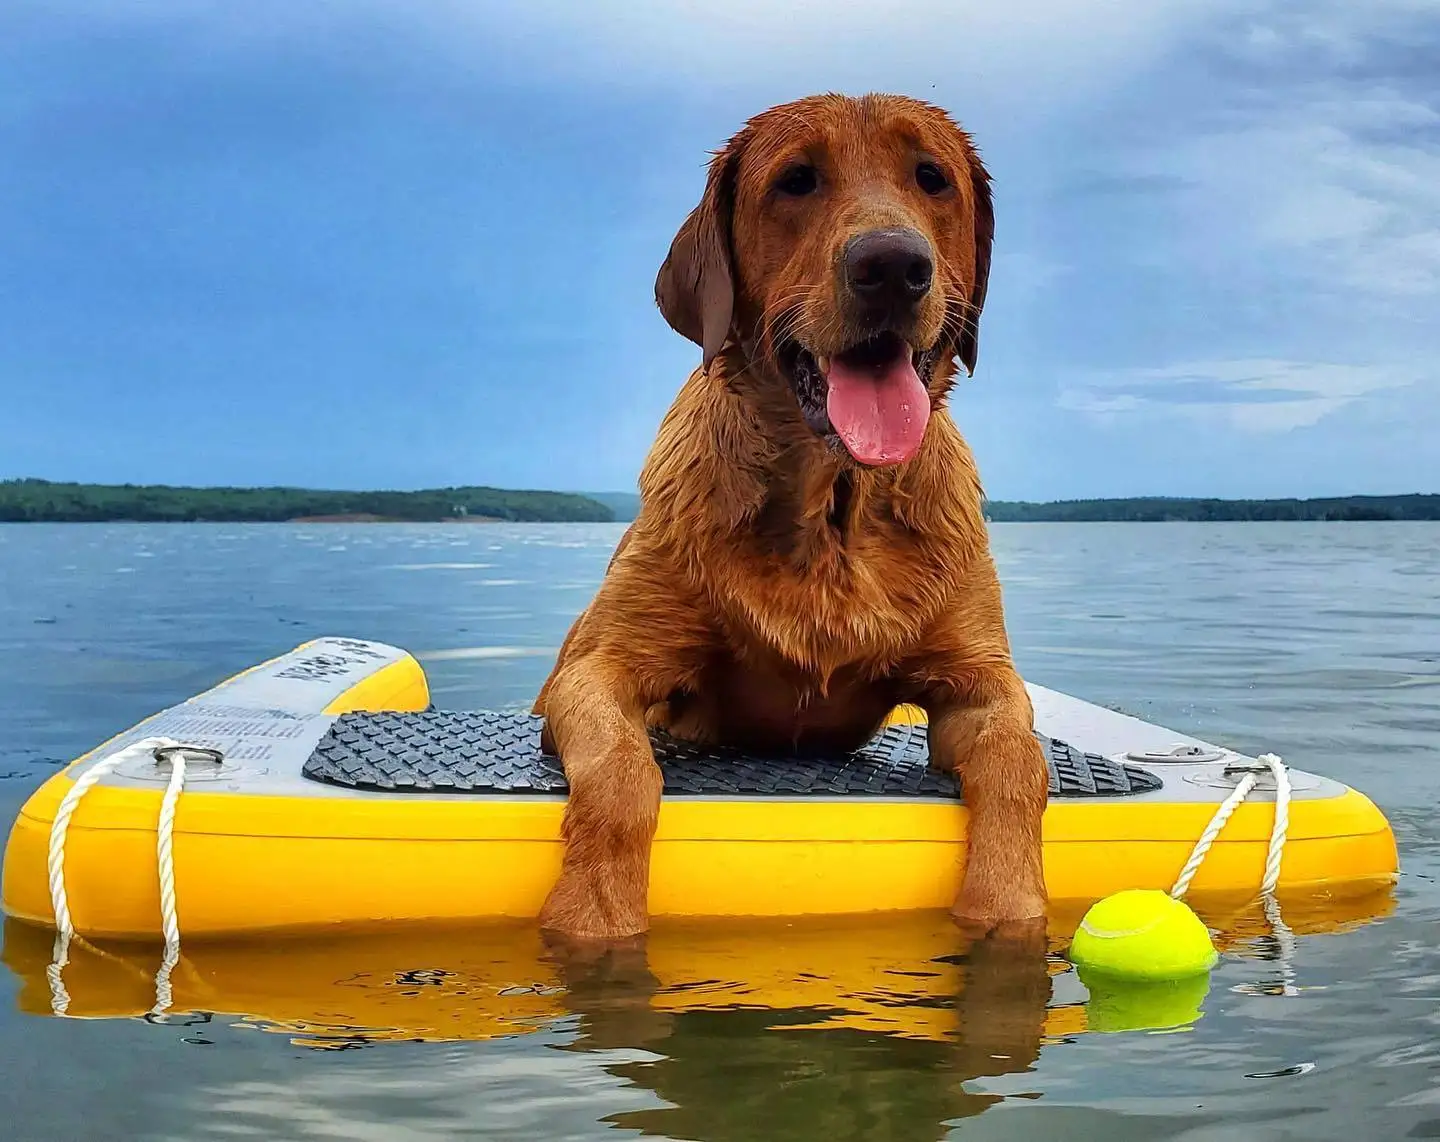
x=164, y=753
x=1236, y=770
x=1179, y=753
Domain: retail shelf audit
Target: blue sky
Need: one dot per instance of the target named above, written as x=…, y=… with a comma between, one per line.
x=406, y=243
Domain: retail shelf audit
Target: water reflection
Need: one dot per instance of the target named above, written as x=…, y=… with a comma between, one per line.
x=752, y=1073
x=881, y=1028
x=857, y=1028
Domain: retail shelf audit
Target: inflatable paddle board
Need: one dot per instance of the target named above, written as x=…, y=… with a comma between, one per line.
x=322, y=788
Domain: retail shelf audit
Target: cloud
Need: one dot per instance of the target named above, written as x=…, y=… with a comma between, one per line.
x=756, y=40
x=1252, y=395
x=1217, y=213
x=1041, y=53
x=1270, y=220
x=1358, y=213
x=1320, y=161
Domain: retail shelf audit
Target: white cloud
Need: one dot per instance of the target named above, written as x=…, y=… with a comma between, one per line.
x=1321, y=161
x=1296, y=190
x=1356, y=213
x=1255, y=395
x=1098, y=404
x=1293, y=149
x=1032, y=53
x=772, y=39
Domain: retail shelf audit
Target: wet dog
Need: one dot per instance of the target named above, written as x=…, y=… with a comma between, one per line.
x=810, y=550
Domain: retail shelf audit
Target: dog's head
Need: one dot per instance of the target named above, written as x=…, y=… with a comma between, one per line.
x=844, y=245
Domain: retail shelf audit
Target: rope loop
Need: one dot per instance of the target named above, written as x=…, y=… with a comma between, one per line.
x=159, y=749
x=1275, y=851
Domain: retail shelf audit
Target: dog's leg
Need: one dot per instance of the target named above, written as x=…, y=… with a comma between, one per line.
x=983, y=729
x=640, y=640
x=595, y=719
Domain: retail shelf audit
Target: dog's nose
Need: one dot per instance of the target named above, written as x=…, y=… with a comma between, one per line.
x=889, y=268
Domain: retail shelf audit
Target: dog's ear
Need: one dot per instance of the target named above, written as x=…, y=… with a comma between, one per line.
x=695, y=288
x=984, y=208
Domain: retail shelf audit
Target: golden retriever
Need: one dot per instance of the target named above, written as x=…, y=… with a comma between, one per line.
x=810, y=550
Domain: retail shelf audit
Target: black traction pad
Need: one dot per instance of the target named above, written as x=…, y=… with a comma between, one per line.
x=492, y=753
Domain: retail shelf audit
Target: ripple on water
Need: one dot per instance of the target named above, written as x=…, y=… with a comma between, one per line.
x=1311, y=641
x=442, y=566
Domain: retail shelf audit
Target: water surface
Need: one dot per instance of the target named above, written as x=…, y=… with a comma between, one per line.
x=1320, y=642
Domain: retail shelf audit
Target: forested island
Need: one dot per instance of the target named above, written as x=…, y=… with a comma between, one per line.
x=1153, y=509
x=1157, y=509
x=41, y=501
x=44, y=501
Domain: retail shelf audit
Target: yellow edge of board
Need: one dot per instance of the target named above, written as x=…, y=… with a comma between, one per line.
x=443, y=861
x=351, y=860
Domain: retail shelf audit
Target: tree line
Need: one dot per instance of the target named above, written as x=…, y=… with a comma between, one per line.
x=1156, y=509
x=41, y=501
x=37, y=501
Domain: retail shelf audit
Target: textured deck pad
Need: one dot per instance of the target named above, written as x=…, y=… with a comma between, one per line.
x=492, y=753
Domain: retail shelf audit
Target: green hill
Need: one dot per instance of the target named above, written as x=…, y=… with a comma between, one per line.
x=44, y=501
x=23, y=501
x=625, y=505
x=1149, y=509
x=1157, y=509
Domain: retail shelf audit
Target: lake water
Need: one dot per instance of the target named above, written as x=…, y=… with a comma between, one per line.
x=1319, y=642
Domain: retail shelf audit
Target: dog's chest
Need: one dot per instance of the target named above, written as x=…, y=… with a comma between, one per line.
x=760, y=701
x=865, y=604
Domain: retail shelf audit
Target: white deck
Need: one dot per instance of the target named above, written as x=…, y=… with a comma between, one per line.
x=267, y=721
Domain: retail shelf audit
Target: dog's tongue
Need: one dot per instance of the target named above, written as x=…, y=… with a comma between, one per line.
x=878, y=405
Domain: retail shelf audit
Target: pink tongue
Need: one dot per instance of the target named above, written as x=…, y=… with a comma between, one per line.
x=880, y=410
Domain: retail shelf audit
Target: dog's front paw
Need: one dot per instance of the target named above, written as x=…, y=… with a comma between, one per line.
x=982, y=910
x=594, y=904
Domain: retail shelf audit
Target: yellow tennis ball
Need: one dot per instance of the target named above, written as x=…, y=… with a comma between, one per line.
x=1143, y=934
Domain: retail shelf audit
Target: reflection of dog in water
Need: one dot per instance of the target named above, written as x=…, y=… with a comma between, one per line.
x=767, y=1075
x=856, y=1028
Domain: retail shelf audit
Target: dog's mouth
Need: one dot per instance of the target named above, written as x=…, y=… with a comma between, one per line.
x=871, y=398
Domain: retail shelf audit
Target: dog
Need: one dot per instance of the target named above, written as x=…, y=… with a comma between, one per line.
x=810, y=549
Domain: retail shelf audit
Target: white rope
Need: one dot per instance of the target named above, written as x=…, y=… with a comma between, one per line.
x=1222, y=815
x=165, y=859
x=1284, y=938
x=165, y=854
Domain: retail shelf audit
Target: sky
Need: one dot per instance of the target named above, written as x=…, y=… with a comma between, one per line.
x=411, y=243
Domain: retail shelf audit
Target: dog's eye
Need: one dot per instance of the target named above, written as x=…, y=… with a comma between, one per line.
x=930, y=178
x=797, y=181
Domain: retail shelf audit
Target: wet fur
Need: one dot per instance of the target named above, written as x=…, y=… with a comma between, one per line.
x=772, y=592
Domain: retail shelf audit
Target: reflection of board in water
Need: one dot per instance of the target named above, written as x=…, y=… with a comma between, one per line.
x=757, y=1032
x=895, y=975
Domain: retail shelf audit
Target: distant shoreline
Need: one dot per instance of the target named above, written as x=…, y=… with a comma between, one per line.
x=1164, y=509
x=43, y=501
x=366, y=517
x=46, y=501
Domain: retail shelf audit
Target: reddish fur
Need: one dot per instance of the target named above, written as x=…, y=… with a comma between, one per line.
x=772, y=592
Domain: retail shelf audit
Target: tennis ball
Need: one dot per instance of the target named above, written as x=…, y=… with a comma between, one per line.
x=1142, y=934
